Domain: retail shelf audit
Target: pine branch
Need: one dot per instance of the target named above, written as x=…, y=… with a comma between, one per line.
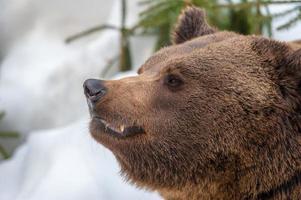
x=287, y=12
x=149, y=2
x=290, y=23
x=3, y=152
x=8, y=134
x=252, y=4
x=161, y=6
x=90, y=31
x=160, y=14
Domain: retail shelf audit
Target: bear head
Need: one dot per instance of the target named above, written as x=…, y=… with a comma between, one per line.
x=216, y=113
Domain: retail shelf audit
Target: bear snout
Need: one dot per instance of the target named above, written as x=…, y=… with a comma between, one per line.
x=94, y=90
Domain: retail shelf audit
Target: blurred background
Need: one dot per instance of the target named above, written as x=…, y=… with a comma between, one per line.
x=49, y=47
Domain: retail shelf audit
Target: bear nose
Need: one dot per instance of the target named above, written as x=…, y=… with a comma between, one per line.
x=94, y=89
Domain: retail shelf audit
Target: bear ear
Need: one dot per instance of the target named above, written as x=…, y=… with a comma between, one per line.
x=286, y=64
x=191, y=24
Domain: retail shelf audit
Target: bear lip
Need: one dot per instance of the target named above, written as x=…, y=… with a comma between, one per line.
x=121, y=131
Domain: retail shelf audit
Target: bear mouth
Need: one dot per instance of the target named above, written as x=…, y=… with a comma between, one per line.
x=118, y=131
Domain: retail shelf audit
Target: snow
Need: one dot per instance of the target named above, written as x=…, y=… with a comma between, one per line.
x=41, y=76
x=63, y=164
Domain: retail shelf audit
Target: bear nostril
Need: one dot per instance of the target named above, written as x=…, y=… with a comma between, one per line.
x=94, y=89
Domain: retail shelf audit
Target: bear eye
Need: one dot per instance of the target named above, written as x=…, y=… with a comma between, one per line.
x=173, y=81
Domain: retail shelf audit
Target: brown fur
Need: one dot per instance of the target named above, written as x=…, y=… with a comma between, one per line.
x=229, y=130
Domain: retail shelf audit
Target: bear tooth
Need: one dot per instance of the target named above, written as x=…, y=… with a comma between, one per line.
x=122, y=128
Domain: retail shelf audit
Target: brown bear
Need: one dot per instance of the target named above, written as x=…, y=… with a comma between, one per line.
x=216, y=115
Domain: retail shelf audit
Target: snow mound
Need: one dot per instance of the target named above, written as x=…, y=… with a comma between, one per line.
x=65, y=164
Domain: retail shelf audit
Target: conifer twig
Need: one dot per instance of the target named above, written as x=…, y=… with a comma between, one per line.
x=4, y=154
x=289, y=23
x=8, y=134
x=248, y=4
x=90, y=31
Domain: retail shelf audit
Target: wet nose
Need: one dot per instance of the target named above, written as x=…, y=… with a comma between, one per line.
x=94, y=89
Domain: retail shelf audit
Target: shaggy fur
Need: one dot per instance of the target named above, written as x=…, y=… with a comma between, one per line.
x=221, y=115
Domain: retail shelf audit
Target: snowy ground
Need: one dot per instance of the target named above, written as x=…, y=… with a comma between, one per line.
x=65, y=164
x=41, y=90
